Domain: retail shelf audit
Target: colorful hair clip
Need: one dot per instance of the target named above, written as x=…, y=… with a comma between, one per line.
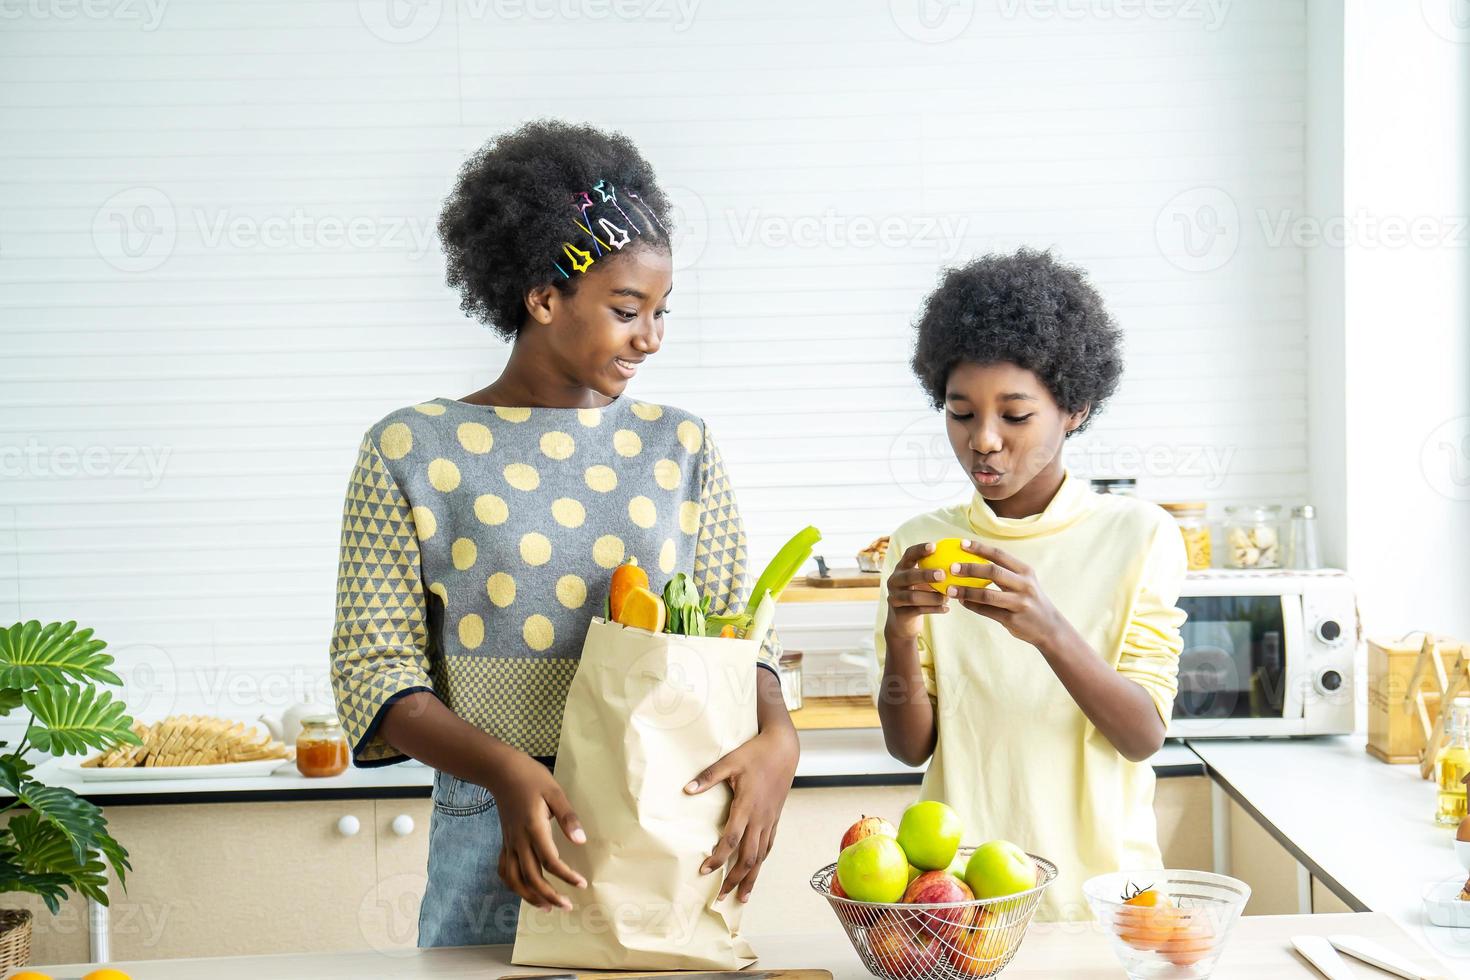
x=609, y=194
x=572, y=252
x=613, y=231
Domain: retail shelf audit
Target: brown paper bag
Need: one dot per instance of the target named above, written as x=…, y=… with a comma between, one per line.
x=644, y=714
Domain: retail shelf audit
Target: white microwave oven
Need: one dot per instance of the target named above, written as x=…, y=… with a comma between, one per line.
x=1266, y=653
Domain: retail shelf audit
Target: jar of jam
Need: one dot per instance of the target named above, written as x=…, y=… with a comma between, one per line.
x=321, y=748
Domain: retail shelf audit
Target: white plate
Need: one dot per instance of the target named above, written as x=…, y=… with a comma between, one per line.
x=1442, y=905
x=224, y=770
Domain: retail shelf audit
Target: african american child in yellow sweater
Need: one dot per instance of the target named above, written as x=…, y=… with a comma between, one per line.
x=1036, y=701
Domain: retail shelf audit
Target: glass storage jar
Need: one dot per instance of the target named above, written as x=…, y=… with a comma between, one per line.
x=321, y=748
x=1190, y=516
x=1253, y=536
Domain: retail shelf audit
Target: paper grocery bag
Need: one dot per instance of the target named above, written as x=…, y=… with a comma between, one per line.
x=644, y=714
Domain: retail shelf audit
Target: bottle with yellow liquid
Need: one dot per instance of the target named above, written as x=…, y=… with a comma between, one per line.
x=1451, y=766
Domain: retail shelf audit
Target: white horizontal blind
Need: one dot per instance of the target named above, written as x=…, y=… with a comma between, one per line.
x=217, y=265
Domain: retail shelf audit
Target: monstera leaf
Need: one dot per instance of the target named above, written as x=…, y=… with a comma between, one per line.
x=73, y=719
x=55, y=842
x=32, y=654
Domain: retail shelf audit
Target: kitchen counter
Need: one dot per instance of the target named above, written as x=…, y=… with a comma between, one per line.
x=829, y=757
x=1361, y=827
x=1259, y=947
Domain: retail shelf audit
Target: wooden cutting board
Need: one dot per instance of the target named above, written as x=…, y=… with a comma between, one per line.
x=845, y=578
x=752, y=974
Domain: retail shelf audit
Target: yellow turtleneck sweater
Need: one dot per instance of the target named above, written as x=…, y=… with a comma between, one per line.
x=1015, y=755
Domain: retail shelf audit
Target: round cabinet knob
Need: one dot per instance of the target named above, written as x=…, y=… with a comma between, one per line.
x=348, y=826
x=403, y=825
x=1330, y=680
x=1329, y=631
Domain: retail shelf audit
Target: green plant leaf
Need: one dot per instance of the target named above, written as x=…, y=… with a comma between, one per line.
x=32, y=654
x=49, y=885
x=9, y=700
x=80, y=822
x=72, y=719
x=43, y=849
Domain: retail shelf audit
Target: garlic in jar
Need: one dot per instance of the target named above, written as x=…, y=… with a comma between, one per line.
x=1251, y=536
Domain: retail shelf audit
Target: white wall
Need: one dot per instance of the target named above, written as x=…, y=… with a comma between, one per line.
x=1407, y=370
x=182, y=399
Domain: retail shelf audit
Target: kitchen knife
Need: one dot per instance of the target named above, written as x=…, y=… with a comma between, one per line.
x=1319, y=952
x=714, y=975
x=1375, y=954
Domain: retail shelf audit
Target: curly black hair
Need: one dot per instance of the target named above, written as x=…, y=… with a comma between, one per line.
x=1027, y=309
x=510, y=210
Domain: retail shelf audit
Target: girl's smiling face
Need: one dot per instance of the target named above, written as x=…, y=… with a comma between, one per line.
x=597, y=335
x=1007, y=431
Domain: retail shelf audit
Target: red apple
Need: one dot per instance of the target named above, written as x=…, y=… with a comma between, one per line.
x=867, y=827
x=937, y=888
x=977, y=952
x=903, y=952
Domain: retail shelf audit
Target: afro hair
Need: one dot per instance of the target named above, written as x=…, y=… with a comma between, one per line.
x=1026, y=309
x=503, y=224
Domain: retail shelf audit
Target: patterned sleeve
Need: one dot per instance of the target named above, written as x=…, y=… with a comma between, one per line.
x=719, y=552
x=379, y=642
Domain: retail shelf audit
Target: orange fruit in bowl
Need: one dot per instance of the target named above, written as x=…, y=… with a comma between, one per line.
x=29, y=975
x=947, y=552
x=106, y=973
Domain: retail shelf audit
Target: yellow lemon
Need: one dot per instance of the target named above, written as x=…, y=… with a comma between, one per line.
x=947, y=552
x=30, y=975
x=107, y=973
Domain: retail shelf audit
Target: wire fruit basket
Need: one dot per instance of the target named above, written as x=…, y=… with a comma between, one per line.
x=952, y=941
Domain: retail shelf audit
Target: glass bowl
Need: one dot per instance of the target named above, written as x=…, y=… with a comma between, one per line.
x=1180, y=938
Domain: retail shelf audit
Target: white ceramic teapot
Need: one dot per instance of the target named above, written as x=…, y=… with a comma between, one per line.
x=286, y=725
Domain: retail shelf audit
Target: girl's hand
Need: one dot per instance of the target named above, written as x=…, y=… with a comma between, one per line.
x=1017, y=601
x=910, y=595
x=528, y=799
x=760, y=773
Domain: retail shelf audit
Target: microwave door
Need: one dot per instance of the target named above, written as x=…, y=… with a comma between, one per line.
x=1233, y=670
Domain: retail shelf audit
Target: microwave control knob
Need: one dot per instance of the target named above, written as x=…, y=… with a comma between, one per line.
x=1330, y=681
x=1329, y=631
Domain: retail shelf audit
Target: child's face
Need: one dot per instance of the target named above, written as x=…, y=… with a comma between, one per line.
x=613, y=320
x=1005, y=426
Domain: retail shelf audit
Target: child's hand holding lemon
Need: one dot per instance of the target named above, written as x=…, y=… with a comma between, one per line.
x=930, y=575
x=920, y=583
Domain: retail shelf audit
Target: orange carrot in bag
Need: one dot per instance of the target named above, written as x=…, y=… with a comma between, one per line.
x=625, y=578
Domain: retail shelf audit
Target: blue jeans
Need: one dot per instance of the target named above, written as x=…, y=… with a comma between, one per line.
x=465, y=903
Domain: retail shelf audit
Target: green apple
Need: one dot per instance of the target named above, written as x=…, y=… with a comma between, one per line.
x=929, y=834
x=873, y=870
x=915, y=872
x=958, y=865
x=999, y=868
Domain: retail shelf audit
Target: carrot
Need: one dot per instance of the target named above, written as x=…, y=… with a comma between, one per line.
x=625, y=578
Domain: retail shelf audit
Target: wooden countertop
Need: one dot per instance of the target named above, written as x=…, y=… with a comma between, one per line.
x=1259, y=947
